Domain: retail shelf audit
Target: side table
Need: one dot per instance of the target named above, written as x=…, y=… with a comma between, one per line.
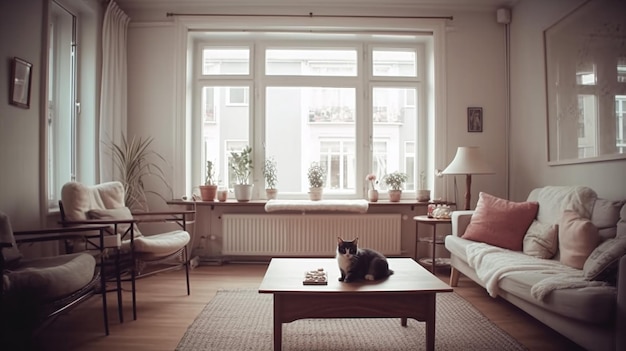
x=432, y=222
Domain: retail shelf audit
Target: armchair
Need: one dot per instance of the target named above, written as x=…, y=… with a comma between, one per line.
x=35, y=290
x=104, y=204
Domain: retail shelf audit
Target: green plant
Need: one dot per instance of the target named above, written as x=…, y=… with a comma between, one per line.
x=422, y=180
x=395, y=180
x=316, y=175
x=210, y=174
x=241, y=164
x=135, y=161
x=270, y=173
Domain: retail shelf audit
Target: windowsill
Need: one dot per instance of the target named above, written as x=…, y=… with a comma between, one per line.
x=233, y=202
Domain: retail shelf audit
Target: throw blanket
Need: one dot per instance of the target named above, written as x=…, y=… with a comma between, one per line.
x=359, y=206
x=493, y=263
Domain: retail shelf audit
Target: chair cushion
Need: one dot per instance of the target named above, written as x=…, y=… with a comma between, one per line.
x=113, y=214
x=50, y=278
x=78, y=198
x=11, y=254
x=160, y=245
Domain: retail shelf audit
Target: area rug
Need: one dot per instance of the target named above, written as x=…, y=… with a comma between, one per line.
x=238, y=320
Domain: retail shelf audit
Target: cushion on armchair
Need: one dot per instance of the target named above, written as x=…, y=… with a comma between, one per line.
x=12, y=254
x=500, y=222
x=78, y=198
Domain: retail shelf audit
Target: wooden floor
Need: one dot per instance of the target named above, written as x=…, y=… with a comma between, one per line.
x=165, y=312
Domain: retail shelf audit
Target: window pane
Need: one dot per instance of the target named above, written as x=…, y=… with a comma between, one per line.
x=587, y=124
x=312, y=124
x=621, y=70
x=586, y=74
x=394, y=63
x=226, y=61
x=395, y=128
x=225, y=131
x=311, y=62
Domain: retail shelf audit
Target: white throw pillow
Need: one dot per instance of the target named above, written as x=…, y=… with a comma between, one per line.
x=541, y=240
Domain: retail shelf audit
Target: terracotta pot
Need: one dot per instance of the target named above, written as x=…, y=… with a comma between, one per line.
x=270, y=194
x=423, y=195
x=372, y=195
x=395, y=195
x=207, y=192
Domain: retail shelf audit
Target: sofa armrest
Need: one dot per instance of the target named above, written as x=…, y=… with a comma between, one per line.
x=460, y=220
x=620, y=321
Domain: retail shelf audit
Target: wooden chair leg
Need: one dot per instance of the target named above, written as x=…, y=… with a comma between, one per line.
x=454, y=277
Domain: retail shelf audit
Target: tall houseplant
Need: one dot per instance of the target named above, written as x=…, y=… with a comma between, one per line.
x=209, y=189
x=317, y=177
x=241, y=165
x=135, y=162
x=394, y=182
x=271, y=178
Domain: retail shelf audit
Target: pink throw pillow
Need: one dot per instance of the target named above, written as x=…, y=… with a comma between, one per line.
x=578, y=237
x=501, y=222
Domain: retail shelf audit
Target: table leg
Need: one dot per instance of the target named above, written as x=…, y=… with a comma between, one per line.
x=434, y=247
x=278, y=324
x=430, y=324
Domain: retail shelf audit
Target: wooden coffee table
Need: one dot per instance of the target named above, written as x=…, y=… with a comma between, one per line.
x=409, y=293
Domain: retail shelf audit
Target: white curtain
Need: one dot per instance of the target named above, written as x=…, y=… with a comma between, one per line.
x=113, y=94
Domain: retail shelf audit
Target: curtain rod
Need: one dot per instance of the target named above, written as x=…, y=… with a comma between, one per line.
x=310, y=15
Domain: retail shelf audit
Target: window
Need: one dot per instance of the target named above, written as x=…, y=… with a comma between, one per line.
x=354, y=106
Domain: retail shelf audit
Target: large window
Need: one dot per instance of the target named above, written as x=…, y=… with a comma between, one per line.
x=355, y=107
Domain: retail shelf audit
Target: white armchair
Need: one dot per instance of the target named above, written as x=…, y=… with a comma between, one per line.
x=104, y=204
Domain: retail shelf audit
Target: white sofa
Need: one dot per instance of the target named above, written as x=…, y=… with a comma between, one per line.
x=592, y=314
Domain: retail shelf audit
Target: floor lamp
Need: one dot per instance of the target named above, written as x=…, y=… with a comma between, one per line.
x=468, y=161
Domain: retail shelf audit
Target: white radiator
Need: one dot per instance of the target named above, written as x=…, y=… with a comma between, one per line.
x=308, y=235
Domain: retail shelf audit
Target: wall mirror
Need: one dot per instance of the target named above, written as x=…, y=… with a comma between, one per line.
x=586, y=84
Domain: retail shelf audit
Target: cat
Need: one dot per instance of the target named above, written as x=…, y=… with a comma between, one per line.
x=357, y=264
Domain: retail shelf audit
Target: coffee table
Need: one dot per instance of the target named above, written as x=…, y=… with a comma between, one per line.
x=409, y=293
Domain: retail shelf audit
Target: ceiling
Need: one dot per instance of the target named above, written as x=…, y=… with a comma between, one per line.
x=180, y=5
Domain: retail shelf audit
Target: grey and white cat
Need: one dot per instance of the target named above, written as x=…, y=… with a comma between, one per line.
x=357, y=264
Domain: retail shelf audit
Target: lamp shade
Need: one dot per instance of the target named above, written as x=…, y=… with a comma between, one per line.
x=468, y=160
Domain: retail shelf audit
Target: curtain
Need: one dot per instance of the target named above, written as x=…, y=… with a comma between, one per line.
x=113, y=92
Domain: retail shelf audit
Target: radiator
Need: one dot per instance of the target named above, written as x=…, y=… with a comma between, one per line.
x=308, y=235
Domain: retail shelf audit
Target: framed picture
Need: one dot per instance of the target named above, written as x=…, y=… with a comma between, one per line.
x=475, y=119
x=21, y=74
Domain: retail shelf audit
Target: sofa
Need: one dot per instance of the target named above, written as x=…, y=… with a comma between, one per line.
x=560, y=256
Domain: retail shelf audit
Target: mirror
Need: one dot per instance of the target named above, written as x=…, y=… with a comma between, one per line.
x=586, y=84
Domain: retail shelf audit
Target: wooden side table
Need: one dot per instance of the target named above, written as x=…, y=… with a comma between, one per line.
x=432, y=222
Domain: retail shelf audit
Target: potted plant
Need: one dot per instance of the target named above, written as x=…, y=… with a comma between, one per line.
x=241, y=165
x=423, y=195
x=317, y=176
x=271, y=177
x=135, y=161
x=209, y=189
x=394, y=182
x=372, y=194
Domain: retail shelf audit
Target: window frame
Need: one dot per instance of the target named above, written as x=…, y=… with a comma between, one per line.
x=363, y=132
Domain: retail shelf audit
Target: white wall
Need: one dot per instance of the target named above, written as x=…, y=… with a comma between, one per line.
x=529, y=166
x=20, y=35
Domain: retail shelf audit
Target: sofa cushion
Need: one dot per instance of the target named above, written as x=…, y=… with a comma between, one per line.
x=553, y=200
x=541, y=240
x=591, y=304
x=605, y=215
x=578, y=237
x=602, y=262
x=500, y=222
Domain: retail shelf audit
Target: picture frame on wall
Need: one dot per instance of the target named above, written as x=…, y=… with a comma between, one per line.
x=21, y=77
x=475, y=119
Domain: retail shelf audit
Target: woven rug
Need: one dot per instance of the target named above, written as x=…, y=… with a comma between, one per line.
x=238, y=320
